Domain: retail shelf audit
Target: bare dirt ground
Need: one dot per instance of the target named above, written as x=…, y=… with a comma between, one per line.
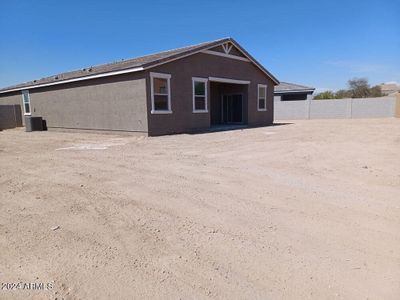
x=309, y=210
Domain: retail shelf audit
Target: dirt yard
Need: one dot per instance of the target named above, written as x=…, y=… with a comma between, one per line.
x=308, y=210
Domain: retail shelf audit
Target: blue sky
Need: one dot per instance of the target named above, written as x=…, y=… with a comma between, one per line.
x=317, y=43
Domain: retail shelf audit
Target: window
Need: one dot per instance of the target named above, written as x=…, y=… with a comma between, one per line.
x=262, y=97
x=199, y=95
x=160, y=93
x=27, y=102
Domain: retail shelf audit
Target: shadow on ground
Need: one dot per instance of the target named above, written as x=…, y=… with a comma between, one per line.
x=220, y=128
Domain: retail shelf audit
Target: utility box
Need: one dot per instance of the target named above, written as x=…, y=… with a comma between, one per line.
x=33, y=124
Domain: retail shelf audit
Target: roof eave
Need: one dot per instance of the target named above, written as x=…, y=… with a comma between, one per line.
x=130, y=70
x=254, y=61
x=294, y=91
x=150, y=65
x=82, y=78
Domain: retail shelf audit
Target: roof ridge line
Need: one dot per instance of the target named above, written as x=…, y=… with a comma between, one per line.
x=112, y=63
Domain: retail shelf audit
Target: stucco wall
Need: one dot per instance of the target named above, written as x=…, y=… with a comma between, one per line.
x=11, y=98
x=124, y=102
x=14, y=98
x=203, y=65
x=111, y=103
x=10, y=116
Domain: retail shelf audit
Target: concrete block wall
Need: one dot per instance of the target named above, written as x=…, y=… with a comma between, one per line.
x=375, y=108
x=382, y=107
x=328, y=109
x=291, y=110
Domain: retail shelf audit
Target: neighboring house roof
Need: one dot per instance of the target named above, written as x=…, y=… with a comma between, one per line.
x=286, y=87
x=132, y=65
x=390, y=88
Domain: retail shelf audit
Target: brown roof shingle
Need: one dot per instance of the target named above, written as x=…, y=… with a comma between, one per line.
x=292, y=87
x=143, y=61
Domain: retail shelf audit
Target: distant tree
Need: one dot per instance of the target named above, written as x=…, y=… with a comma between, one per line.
x=341, y=94
x=376, y=91
x=359, y=88
x=325, y=95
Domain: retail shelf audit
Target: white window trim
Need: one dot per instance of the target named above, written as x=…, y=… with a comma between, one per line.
x=205, y=81
x=161, y=76
x=26, y=92
x=258, y=97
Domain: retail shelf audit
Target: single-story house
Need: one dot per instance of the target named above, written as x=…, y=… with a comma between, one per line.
x=286, y=91
x=390, y=88
x=181, y=90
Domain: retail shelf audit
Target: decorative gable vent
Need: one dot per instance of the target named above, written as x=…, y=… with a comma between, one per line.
x=227, y=47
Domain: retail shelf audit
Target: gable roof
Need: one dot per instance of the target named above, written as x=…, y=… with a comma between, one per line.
x=132, y=65
x=285, y=87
